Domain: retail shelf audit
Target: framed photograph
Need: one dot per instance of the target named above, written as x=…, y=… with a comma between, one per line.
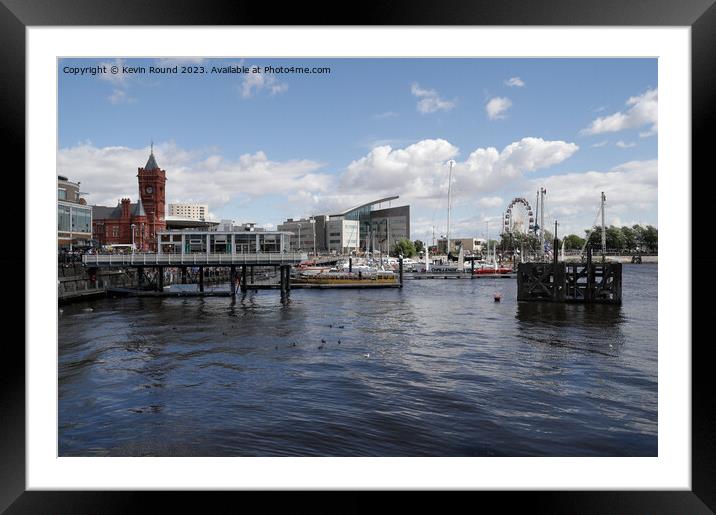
x=419, y=252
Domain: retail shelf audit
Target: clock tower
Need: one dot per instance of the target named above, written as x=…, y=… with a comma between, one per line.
x=152, y=181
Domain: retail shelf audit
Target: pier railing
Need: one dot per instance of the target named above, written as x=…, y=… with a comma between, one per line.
x=198, y=259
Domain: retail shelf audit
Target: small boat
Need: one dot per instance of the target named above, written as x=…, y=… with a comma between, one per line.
x=492, y=269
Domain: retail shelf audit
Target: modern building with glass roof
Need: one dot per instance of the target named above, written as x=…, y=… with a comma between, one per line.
x=378, y=229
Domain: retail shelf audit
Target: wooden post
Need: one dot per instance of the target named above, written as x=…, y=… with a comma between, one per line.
x=400, y=267
x=350, y=265
x=589, y=291
x=252, y=275
x=160, y=278
x=243, y=278
x=183, y=275
x=140, y=273
x=201, y=278
x=285, y=275
x=232, y=278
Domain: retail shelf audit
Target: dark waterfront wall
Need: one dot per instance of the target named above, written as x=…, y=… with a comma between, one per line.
x=74, y=280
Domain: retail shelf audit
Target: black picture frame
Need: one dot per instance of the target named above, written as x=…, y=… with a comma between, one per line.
x=16, y=15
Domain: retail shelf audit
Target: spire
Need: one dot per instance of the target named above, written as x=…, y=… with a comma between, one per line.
x=151, y=162
x=139, y=208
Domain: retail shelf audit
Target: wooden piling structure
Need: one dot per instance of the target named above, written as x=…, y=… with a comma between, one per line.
x=598, y=283
x=183, y=275
x=243, y=279
x=160, y=278
x=201, y=278
x=232, y=278
x=400, y=268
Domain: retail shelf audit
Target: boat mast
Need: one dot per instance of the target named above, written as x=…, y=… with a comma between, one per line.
x=447, y=246
x=604, y=231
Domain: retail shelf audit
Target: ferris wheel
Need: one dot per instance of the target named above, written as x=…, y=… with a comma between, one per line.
x=518, y=217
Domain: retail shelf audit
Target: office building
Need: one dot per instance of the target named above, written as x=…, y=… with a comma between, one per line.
x=74, y=216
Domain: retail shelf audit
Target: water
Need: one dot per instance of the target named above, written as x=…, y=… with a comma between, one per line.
x=435, y=369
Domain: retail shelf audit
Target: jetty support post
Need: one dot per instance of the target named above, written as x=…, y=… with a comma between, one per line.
x=243, y=278
x=350, y=265
x=288, y=278
x=400, y=268
x=284, y=279
x=160, y=278
x=140, y=274
x=201, y=278
x=589, y=291
x=252, y=275
x=183, y=275
x=232, y=278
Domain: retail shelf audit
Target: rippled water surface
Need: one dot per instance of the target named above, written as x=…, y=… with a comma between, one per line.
x=435, y=369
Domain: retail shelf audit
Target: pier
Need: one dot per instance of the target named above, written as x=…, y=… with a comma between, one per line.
x=282, y=261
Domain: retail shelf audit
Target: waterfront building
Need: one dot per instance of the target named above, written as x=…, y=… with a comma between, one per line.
x=135, y=224
x=371, y=221
x=178, y=222
x=389, y=226
x=358, y=228
x=188, y=241
x=190, y=211
x=342, y=236
x=74, y=216
x=469, y=245
x=307, y=233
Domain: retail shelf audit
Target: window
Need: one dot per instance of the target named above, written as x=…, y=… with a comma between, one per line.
x=81, y=219
x=115, y=231
x=61, y=194
x=63, y=218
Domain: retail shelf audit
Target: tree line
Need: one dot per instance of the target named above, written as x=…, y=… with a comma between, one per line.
x=637, y=238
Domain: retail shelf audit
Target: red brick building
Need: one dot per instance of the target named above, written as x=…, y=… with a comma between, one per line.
x=137, y=223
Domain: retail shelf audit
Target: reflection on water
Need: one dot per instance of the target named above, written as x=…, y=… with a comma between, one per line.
x=435, y=369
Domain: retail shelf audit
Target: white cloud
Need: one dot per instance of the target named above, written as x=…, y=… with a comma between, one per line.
x=385, y=115
x=600, y=144
x=488, y=202
x=430, y=100
x=574, y=198
x=119, y=96
x=496, y=107
x=420, y=172
x=253, y=83
x=109, y=174
x=119, y=79
x=643, y=111
x=622, y=144
x=515, y=82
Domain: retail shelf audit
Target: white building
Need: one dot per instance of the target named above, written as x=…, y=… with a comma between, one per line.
x=342, y=236
x=190, y=211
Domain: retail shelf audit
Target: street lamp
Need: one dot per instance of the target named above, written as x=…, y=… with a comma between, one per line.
x=133, y=226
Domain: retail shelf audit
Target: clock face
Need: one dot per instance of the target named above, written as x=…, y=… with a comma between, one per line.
x=149, y=189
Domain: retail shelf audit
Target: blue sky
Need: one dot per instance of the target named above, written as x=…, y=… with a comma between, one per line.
x=262, y=147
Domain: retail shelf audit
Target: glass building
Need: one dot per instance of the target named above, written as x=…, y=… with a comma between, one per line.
x=74, y=217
